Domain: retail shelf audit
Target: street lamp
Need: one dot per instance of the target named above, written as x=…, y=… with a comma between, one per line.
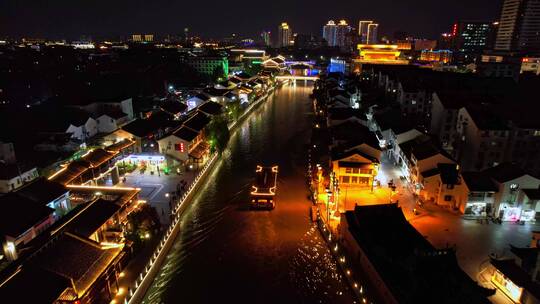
x=329, y=194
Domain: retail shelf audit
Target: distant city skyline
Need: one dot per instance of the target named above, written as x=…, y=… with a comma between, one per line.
x=70, y=20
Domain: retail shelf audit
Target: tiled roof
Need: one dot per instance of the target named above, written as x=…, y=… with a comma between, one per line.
x=479, y=182
x=93, y=217
x=197, y=122
x=80, y=260
x=46, y=286
x=121, y=145
x=173, y=107
x=406, y=262
x=43, y=191
x=211, y=108
x=505, y=172
x=186, y=134
x=20, y=214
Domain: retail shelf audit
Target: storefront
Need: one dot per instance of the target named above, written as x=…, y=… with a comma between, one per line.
x=512, y=213
x=477, y=209
x=143, y=162
x=509, y=278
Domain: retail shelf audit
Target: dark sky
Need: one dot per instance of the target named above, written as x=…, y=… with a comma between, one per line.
x=72, y=18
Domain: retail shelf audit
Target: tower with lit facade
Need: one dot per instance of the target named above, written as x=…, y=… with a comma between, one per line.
x=372, y=33
x=329, y=33
x=363, y=30
x=284, y=35
x=342, y=30
x=519, y=28
x=266, y=38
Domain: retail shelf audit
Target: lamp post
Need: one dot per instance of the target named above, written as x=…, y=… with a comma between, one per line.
x=329, y=194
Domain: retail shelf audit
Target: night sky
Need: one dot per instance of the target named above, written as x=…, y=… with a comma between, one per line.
x=214, y=19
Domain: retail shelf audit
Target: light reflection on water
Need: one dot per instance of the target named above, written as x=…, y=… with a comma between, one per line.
x=228, y=254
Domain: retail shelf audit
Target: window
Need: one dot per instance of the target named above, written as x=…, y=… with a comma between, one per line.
x=450, y=186
x=365, y=171
x=354, y=180
x=355, y=170
x=447, y=198
x=345, y=179
x=348, y=170
x=363, y=180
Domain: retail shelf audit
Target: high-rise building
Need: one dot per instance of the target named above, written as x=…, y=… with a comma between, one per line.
x=471, y=36
x=445, y=41
x=519, y=26
x=341, y=33
x=372, y=35
x=142, y=38
x=363, y=30
x=329, y=33
x=284, y=35
x=186, y=34
x=266, y=38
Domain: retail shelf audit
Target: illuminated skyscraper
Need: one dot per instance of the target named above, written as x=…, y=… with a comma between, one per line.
x=519, y=28
x=284, y=35
x=363, y=30
x=329, y=33
x=266, y=38
x=372, y=36
x=341, y=32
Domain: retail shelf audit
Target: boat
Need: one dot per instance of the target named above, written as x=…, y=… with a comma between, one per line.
x=263, y=190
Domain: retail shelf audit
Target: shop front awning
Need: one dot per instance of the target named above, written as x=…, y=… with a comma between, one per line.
x=200, y=150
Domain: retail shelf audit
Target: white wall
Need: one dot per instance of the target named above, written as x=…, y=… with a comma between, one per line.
x=167, y=144
x=106, y=124
x=17, y=181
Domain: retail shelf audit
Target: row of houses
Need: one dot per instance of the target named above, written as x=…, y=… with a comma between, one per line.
x=391, y=261
x=70, y=239
x=438, y=172
x=481, y=122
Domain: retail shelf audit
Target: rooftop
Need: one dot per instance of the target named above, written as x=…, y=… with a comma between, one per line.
x=505, y=172
x=20, y=214
x=211, y=108
x=78, y=259
x=43, y=191
x=186, y=134
x=394, y=119
x=93, y=217
x=120, y=145
x=407, y=262
x=197, y=122
x=479, y=182
x=173, y=107
x=517, y=275
x=421, y=147
x=338, y=154
x=9, y=171
x=486, y=117
x=354, y=132
x=46, y=286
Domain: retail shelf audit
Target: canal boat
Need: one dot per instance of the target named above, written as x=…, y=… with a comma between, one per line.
x=264, y=188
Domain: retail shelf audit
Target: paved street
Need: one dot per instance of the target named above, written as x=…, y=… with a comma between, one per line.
x=474, y=241
x=154, y=189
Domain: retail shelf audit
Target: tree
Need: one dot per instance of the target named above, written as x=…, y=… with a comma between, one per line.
x=218, y=133
x=218, y=74
x=142, y=222
x=234, y=110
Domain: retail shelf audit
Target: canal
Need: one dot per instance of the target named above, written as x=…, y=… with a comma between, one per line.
x=229, y=254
